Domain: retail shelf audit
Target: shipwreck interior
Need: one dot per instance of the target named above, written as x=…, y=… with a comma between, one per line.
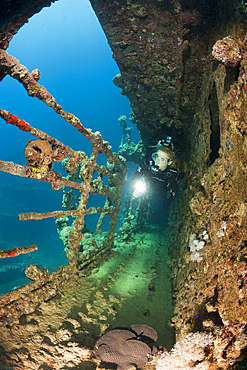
x=176, y=267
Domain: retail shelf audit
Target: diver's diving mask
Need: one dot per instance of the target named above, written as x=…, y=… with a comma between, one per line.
x=159, y=160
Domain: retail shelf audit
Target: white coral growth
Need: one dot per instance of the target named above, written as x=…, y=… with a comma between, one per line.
x=221, y=232
x=196, y=245
x=187, y=354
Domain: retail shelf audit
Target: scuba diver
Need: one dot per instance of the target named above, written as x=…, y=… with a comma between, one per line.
x=163, y=169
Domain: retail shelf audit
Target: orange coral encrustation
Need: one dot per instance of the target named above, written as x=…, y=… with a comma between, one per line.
x=13, y=120
x=10, y=254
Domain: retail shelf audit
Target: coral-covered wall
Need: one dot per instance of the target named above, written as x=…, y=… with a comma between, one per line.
x=211, y=295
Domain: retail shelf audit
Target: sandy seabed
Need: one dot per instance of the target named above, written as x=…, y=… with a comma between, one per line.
x=133, y=286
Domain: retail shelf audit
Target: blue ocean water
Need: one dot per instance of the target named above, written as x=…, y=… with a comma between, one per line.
x=66, y=43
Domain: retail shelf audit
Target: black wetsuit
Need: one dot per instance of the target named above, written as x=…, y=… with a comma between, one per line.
x=153, y=177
